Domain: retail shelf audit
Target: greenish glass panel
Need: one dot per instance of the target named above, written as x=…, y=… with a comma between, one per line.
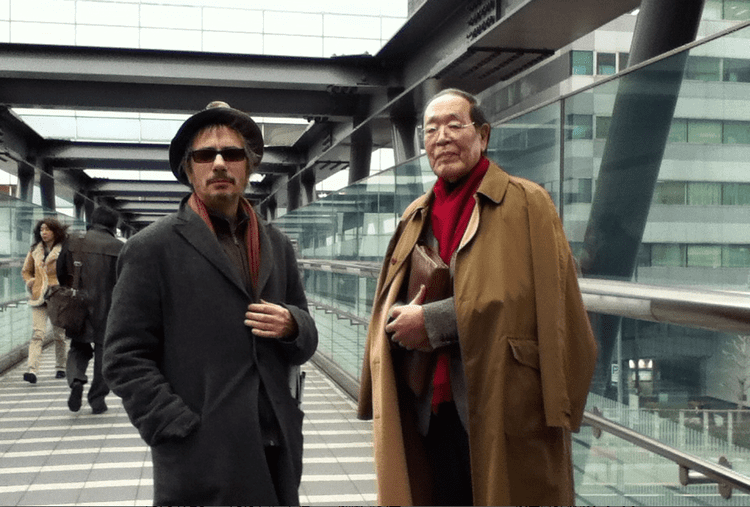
x=667, y=254
x=582, y=63
x=735, y=256
x=704, y=194
x=707, y=256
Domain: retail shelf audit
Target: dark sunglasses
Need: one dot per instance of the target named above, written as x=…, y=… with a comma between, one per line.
x=207, y=155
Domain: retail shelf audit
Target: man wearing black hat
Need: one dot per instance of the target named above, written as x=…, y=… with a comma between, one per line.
x=209, y=319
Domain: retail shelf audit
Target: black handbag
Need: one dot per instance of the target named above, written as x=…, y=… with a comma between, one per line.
x=66, y=306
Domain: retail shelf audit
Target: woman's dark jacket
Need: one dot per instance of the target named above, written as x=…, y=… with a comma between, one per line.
x=178, y=353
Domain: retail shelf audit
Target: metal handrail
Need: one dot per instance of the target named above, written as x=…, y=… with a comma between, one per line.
x=727, y=311
x=715, y=472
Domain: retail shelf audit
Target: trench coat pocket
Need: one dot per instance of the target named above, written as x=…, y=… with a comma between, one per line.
x=524, y=411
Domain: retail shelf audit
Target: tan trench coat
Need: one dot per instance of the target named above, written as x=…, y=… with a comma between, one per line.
x=527, y=349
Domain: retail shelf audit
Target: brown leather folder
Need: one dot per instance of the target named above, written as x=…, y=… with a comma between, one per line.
x=428, y=269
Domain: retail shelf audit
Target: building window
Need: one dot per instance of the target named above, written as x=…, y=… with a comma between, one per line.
x=606, y=63
x=623, y=60
x=580, y=126
x=669, y=192
x=703, y=194
x=735, y=256
x=737, y=70
x=704, y=132
x=582, y=63
x=682, y=255
x=738, y=10
x=577, y=190
x=736, y=132
x=678, y=132
x=643, y=259
x=602, y=126
x=735, y=194
x=703, y=68
x=704, y=256
x=713, y=9
x=668, y=254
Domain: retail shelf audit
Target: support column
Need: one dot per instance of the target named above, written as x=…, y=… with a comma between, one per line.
x=405, y=141
x=25, y=182
x=271, y=209
x=641, y=121
x=293, y=193
x=79, y=205
x=89, y=206
x=308, y=183
x=360, y=154
x=47, y=187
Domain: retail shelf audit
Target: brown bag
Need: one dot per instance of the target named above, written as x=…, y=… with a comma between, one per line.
x=67, y=307
x=428, y=269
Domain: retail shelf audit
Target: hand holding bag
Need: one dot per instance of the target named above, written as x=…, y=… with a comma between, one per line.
x=428, y=269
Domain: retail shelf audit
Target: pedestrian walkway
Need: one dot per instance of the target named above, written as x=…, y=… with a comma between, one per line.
x=51, y=456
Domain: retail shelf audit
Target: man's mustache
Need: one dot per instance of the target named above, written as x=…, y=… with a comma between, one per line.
x=221, y=177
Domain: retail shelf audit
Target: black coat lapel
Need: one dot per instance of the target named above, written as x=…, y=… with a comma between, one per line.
x=266, y=260
x=191, y=227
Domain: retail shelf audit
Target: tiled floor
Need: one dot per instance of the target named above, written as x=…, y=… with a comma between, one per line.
x=51, y=456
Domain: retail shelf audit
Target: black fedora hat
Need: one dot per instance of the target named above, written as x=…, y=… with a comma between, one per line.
x=216, y=113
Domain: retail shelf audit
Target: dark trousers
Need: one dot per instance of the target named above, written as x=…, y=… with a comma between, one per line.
x=447, y=445
x=79, y=355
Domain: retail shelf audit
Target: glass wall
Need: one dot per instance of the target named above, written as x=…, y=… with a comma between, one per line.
x=17, y=221
x=685, y=387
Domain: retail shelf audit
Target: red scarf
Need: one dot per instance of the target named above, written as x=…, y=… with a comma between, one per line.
x=252, y=237
x=450, y=216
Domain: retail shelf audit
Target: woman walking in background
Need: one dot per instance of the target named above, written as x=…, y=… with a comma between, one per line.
x=39, y=272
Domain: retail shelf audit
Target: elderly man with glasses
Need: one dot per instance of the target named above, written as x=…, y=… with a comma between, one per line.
x=475, y=377
x=209, y=323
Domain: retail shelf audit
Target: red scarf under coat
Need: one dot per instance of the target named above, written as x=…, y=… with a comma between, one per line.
x=451, y=212
x=252, y=238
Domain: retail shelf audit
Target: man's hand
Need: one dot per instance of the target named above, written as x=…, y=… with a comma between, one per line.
x=270, y=321
x=406, y=324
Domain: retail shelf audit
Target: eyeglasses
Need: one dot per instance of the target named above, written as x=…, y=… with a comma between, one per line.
x=453, y=127
x=208, y=155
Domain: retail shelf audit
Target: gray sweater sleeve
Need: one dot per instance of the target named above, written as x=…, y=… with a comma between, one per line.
x=440, y=322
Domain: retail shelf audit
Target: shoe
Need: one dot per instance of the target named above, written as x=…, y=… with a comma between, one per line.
x=60, y=374
x=99, y=408
x=76, y=394
x=30, y=378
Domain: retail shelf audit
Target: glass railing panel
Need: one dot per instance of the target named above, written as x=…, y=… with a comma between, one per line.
x=612, y=471
x=17, y=221
x=684, y=387
x=529, y=146
x=684, y=169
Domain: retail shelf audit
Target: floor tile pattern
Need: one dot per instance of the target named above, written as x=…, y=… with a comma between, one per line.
x=51, y=456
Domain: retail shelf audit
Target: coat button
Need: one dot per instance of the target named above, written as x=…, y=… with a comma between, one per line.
x=394, y=260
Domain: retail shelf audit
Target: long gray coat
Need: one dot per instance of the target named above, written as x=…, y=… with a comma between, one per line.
x=188, y=370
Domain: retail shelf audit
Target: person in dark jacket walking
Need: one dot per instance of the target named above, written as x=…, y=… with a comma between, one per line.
x=97, y=250
x=209, y=322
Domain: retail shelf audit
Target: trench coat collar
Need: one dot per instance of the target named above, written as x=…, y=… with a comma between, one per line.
x=191, y=227
x=407, y=235
x=495, y=184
